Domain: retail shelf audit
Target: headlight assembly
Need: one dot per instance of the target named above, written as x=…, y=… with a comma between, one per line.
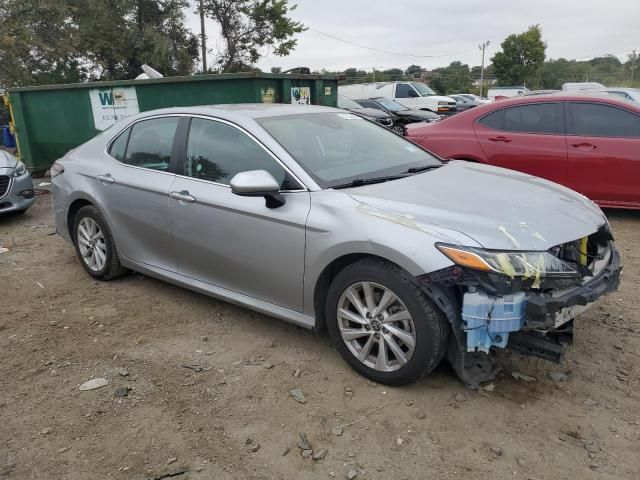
x=512, y=264
x=19, y=170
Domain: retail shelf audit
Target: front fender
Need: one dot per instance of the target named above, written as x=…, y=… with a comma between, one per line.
x=338, y=226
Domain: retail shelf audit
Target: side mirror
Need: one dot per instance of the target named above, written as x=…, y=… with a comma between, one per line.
x=413, y=93
x=258, y=183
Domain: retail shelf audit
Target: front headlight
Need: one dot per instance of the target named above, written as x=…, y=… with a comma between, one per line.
x=19, y=170
x=443, y=103
x=512, y=264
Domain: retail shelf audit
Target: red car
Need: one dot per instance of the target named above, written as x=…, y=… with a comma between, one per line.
x=589, y=143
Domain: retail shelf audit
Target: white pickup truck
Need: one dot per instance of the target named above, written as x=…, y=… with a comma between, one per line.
x=415, y=95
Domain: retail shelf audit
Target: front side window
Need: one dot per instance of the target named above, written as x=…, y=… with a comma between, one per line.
x=403, y=89
x=150, y=143
x=336, y=148
x=598, y=120
x=424, y=90
x=217, y=152
x=545, y=118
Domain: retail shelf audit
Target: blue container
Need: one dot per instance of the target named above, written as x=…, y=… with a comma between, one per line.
x=488, y=319
x=8, y=140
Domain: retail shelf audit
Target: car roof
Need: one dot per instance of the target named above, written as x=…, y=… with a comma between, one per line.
x=561, y=96
x=247, y=110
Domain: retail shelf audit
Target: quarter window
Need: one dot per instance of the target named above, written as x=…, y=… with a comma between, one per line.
x=494, y=120
x=150, y=143
x=597, y=120
x=119, y=146
x=217, y=151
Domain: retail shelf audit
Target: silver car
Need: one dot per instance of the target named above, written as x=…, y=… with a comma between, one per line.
x=16, y=187
x=318, y=217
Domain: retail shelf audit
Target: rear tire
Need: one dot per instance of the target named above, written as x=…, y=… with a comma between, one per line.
x=95, y=245
x=382, y=349
x=399, y=129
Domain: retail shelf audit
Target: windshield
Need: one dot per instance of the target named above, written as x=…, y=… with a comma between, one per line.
x=392, y=106
x=347, y=103
x=336, y=148
x=424, y=90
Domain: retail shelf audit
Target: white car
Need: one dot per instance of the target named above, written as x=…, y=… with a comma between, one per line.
x=506, y=92
x=580, y=86
x=414, y=95
x=631, y=94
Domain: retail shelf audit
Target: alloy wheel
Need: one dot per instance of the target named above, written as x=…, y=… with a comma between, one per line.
x=92, y=244
x=398, y=129
x=376, y=326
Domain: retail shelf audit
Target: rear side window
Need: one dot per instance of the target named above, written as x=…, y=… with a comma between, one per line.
x=119, y=146
x=402, y=90
x=532, y=118
x=151, y=142
x=597, y=120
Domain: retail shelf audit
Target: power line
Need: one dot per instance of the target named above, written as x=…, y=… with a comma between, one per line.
x=387, y=52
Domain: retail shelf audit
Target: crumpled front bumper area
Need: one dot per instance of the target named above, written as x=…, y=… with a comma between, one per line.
x=486, y=316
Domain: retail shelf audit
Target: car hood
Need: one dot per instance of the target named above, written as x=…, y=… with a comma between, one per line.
x=499, y=208
x=441, y=98
x=369, y=112
x=7, y=160
x=416, y=114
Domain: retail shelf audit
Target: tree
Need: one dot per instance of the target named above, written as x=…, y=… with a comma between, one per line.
x=38, y=43
x=454, y=78
x=276, y=69
x=247, y=26
x=521, y=57
x=413, y=69
x=119, y=36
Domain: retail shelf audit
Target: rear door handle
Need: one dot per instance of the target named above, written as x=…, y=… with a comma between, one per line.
x=500, y=139
x=183, y=196
x=106, y=178
x=584, y=146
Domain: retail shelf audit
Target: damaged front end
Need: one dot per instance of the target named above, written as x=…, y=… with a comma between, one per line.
x=523, y=301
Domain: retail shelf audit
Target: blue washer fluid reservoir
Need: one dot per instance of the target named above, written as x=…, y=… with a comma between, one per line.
x=488, y=319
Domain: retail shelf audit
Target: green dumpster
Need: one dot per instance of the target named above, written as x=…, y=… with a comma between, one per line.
x=50, y=120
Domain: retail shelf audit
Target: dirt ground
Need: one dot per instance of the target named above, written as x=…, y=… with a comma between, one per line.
x=210, y=387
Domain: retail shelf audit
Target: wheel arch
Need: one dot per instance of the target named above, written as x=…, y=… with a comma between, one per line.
x=327, y=275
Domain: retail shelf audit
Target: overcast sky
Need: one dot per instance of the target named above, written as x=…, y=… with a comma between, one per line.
x=439, y=32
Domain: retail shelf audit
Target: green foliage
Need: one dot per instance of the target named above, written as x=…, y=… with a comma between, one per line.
x=608, y=70
x=413, y=70
x=455, y=78
x=247, y=26
x=521, y=58
x=38, y=44
x=64, y=41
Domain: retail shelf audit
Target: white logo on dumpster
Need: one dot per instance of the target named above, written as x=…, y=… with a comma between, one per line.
x=112, y=104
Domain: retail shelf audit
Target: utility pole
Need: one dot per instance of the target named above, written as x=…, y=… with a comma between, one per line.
x=482, y=47
x=374, y=74
x=634, y=59
x=203, y=39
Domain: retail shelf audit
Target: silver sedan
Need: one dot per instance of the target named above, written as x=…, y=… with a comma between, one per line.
x=318, y=217
x=16, y=187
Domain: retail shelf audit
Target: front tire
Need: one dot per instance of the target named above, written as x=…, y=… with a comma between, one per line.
x=383, y=324
x=95, y=245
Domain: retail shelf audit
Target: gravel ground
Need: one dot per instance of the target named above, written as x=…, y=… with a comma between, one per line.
x=208, y=384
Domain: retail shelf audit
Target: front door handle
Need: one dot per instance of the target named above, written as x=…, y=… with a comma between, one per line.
x=183, y=196
x=106, y=178
x=500, y=139
x=583, y=146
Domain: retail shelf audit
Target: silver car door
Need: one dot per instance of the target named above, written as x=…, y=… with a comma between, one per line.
x=234, y=242
x=133, y=191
